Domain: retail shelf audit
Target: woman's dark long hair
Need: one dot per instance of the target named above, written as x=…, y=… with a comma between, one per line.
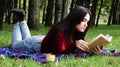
x=74, y=18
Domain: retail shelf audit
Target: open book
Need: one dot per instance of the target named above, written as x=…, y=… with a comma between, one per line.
x=99, y=41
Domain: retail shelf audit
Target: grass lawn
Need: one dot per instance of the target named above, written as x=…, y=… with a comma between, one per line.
x=93, y=61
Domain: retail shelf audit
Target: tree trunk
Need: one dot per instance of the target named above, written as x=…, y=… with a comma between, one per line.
x=119, y=18
x=99, y=13
x=119, y=12
x=80, y=2
x=2, y=10
x=114, y=20
x=24, y=4
x=72, y=5
x=9, y=5
x=58, y=9
x=34, y=14
x=20, y=3
x=87, y=3
x=15, y=4
x=49, y=15
x=44, y=11
x=64, y=9
x=93, y=11
x=111, y=13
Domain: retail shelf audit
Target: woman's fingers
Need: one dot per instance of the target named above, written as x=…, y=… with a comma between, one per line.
x=84, y=44
x=81, y=44
x=102, y=47
x=81, y=47
x=97, y=50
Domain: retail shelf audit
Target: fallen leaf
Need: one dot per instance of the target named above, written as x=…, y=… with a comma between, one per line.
x=112, y=62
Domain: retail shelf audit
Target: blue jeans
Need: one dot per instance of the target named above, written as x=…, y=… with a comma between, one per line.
x=22, y=39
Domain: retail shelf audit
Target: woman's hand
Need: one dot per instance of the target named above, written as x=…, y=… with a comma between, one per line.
x=82, y=45
x=97, y=49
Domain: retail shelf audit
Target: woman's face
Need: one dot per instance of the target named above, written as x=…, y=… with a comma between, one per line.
x=83, y=24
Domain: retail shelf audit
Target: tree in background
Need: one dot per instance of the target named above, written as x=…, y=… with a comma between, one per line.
x=93, y=11
x=57, y=10
x=34, y=14
x=2, y=10
x=99, y=12
x=64, y=11
x=9, y=4
x=44, y=10
x=49, y=15
x=114, y=12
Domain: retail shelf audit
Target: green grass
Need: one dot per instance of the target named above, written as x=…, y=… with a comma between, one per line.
x=93, y=61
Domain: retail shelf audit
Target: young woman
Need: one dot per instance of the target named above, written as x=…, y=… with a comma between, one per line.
x=67, y=36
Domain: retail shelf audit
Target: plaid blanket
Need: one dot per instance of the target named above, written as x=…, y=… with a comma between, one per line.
x=41, y=57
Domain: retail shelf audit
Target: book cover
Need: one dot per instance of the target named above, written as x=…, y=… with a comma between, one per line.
x=99, y=40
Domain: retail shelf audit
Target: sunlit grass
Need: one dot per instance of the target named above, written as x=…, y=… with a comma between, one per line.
x=93, y=61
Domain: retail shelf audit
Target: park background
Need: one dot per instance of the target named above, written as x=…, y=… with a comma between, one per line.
x=42, y=14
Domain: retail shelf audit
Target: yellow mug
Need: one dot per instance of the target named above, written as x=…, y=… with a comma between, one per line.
x=50, y=57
